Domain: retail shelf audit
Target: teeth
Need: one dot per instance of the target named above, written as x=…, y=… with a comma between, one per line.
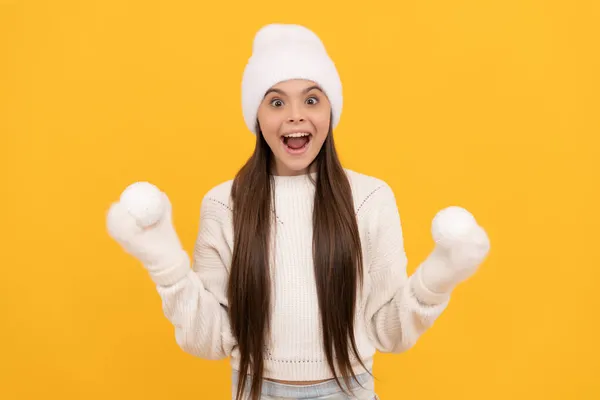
x=299, y=134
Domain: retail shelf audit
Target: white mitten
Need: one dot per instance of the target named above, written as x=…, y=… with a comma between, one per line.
x=461, y=245
x=141, y=222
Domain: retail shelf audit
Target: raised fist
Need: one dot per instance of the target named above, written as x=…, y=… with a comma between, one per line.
x=456, y=231
x=461, y=245
x=141, y=222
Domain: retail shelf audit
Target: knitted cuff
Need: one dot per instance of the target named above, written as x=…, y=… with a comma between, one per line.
x=166, y=275
x=425, y=295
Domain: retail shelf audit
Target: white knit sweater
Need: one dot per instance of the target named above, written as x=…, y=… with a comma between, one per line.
x=393, y=309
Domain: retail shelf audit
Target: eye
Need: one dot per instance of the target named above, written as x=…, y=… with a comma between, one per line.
x=314, y=100
x=276, y=103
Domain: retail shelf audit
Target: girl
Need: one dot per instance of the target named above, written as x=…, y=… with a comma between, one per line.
x=299, y=269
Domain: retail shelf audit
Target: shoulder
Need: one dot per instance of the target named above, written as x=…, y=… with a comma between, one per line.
x=369, y=191
x=217, y=200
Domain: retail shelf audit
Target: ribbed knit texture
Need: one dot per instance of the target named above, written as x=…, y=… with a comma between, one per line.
x=394, y=310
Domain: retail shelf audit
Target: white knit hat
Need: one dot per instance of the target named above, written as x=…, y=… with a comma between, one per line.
x=287, y=51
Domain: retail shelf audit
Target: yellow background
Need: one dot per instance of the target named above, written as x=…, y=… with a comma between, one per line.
x=492, y=105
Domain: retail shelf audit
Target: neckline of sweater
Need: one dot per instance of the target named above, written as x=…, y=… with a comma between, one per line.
x=294, y=183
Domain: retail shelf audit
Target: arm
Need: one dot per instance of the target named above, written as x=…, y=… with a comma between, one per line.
x=197, y=304
x=193, y=298
x=399, y=308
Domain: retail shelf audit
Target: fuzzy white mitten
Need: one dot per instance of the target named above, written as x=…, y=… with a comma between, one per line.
x=461, y=245
x=141, y=222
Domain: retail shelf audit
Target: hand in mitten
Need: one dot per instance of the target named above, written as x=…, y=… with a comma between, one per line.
x=141, y=222
x=461, y=245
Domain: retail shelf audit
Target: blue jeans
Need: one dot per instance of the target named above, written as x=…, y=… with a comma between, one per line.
x=321, y=391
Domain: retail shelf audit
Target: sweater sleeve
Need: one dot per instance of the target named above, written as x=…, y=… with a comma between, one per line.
x=395, y=316
x=196, y=304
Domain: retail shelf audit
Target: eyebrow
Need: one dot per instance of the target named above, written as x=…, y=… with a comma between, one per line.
x=281, y=92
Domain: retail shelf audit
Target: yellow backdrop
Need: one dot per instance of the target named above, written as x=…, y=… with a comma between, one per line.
x=492, y=105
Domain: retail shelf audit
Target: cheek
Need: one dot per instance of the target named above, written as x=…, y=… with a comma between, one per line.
x=321, y=123
x=269, y=133
x=269, y=127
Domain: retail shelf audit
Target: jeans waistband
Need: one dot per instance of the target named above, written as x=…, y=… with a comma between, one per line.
x=313, y=391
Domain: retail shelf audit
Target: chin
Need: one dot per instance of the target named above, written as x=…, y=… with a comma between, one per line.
x=296, y=167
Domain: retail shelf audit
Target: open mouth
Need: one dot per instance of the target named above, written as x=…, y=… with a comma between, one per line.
x=296, y=143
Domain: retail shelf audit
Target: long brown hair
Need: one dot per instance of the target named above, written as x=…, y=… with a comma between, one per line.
x=337, y=260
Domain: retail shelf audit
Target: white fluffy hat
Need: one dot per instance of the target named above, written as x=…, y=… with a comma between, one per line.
x=287, y=51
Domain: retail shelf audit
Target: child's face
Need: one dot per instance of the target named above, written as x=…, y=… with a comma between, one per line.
x=294, y=106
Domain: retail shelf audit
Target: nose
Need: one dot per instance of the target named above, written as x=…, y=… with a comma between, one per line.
x=292, y=120
x=296, y=115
